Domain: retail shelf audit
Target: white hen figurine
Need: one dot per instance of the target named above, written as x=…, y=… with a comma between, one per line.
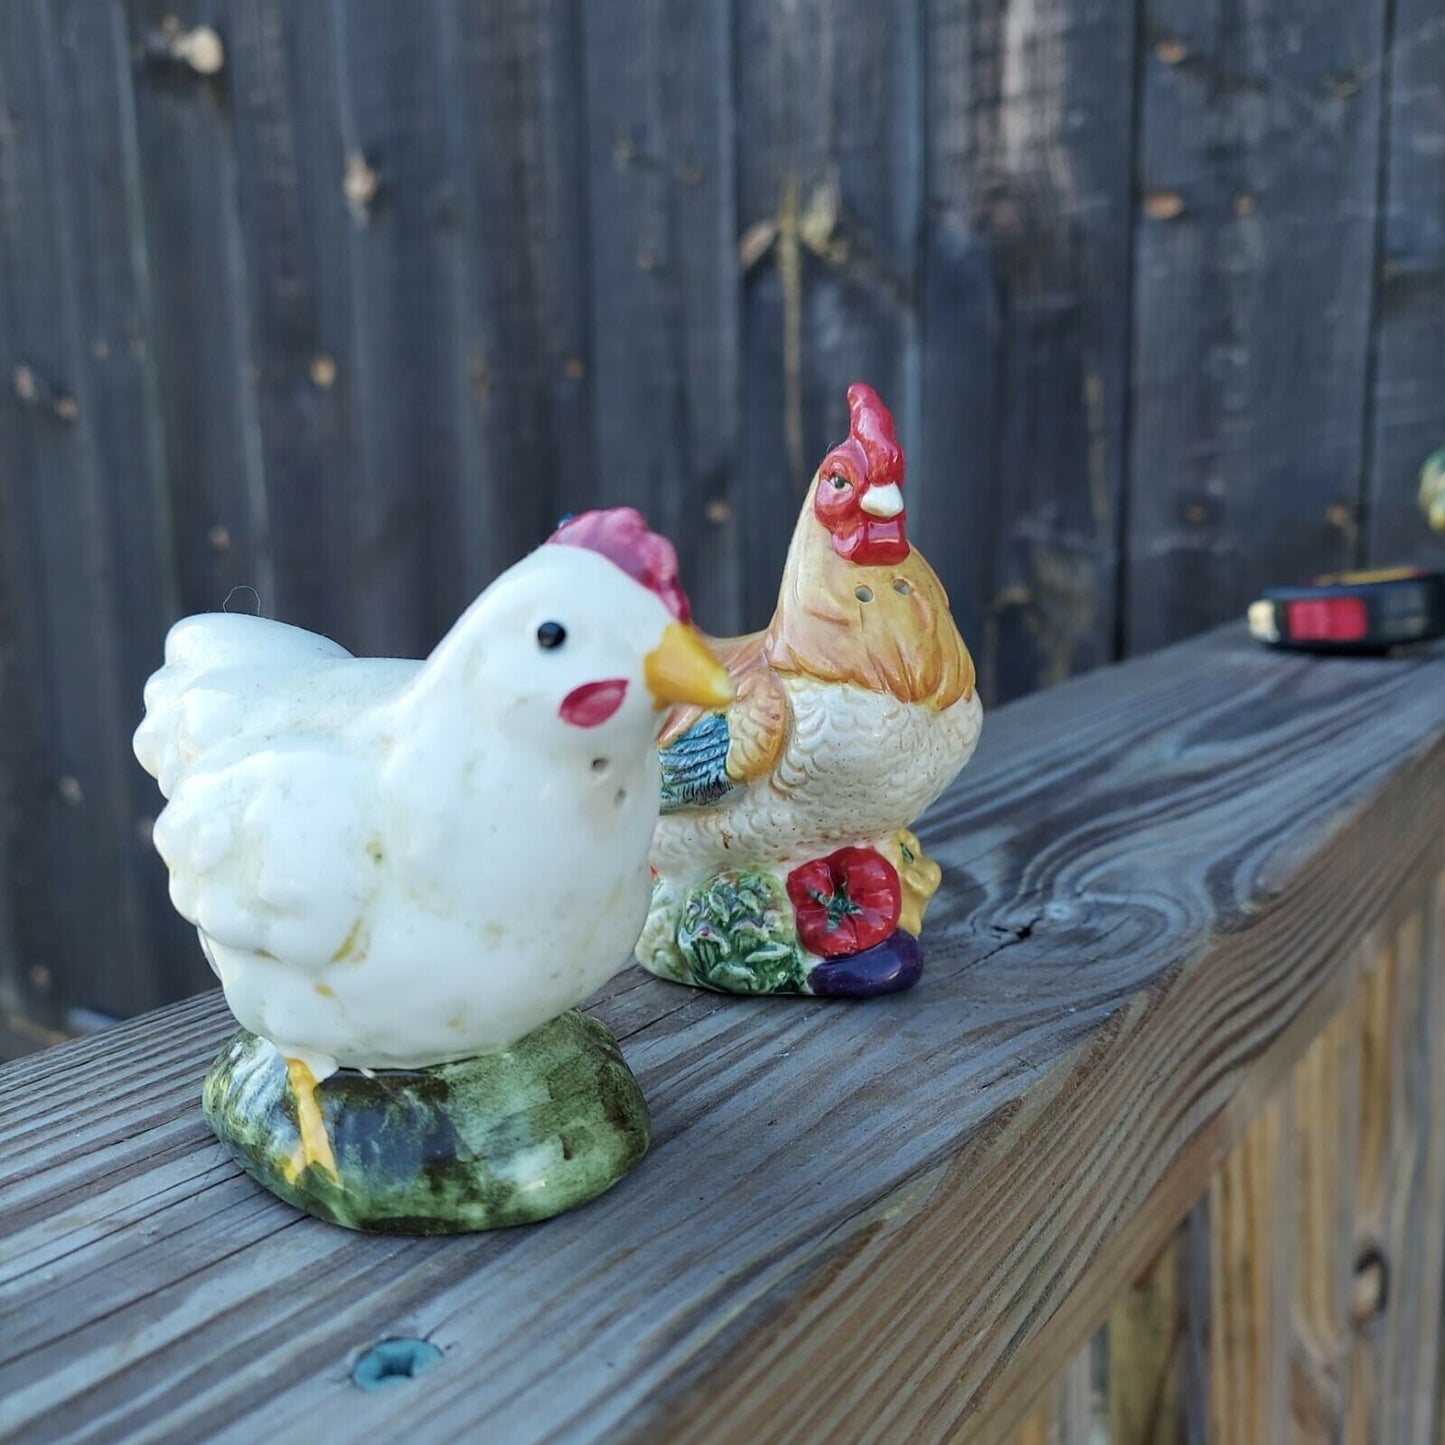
x=393, y=865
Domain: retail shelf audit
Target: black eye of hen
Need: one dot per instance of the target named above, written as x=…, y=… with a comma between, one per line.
x=550, y=635
x=840, y=483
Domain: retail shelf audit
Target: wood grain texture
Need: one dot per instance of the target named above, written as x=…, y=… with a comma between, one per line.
x=1325, y=1100
x=1415, y=1216
x=281, y=94
x=194, y=328
x=1258, y=160
x=1145, y=1335
x=921, y=1208
x=87, y=532
x=829, y=175
x=1192, y=1242
x=1065, y=1413
x=1425, y=1411
x=665, y=283
x=1408, y=397
x=1371, y=1276
x=27, y=932
x=516, y=136
x=1399, y=1221
x=1025, y=328
x=1251, y=1203
x=1399, y=1247
x=404, y=502
x=196, y=261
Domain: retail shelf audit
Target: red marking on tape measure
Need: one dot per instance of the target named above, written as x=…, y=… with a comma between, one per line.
x=1328, y=619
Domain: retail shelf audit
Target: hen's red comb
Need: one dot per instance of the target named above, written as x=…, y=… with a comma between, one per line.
x=621, y=534
x=872, y=446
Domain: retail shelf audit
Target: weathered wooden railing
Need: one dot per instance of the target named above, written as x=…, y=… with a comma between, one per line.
x=1177, y=1069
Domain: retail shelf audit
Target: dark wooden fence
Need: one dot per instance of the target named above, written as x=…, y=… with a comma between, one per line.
x=1156, y=290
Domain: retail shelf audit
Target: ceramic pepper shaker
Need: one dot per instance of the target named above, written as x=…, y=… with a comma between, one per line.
x=407, y=874
x=784, y=860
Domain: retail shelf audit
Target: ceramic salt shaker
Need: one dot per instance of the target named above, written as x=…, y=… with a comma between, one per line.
x=408, y=874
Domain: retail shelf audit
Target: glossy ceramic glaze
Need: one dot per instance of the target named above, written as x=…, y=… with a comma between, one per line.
x=398, y=865
x=506, y=1138
x=785, y=849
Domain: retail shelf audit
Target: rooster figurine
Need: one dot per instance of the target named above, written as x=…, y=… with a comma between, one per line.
x=783, y=861
x=406, y=874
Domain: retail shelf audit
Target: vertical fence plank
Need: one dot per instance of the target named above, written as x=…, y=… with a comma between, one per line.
x=121, y=416
x=206, y=381
x=1251, y=1244
x=282, y=96
x=1145, y=1336
x=1405, y=1179
x=23, y=1007
x=407, y=557
x=515, y=137
x=27, y=925
x=665, y=291
x=1409, y=395
x=1436, y=956
x=1194, y=1293
x=1372, y=1263
x=1325, y=1089
x=199, y=289
x=1064, y=1414
x=88, y=546
x=1417, y=1189
x=30, y=815
x=1258, y=160
x=1398, y=1284
x=1400, y=1200
x=1025, y=322
x=830, y=126
x=1422, y=1418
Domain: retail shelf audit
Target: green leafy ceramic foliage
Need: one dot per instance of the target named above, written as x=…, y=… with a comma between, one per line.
x=736, y=934
x=500, y=1139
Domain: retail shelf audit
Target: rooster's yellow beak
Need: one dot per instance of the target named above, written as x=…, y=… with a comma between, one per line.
x=682, y=669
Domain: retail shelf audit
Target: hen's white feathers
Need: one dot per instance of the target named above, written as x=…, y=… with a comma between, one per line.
x=218, y=666
x=269, y=854
x=265, y=835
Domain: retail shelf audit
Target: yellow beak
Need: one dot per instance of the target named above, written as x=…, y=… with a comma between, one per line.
x=682, y=669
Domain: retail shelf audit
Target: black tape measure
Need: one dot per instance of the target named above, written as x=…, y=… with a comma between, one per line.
x=1353, y=611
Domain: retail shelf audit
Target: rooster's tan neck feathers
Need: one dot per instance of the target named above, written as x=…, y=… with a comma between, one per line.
x=900, y=640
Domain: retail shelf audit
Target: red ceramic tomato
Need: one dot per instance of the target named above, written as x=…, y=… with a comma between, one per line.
x=845, y=902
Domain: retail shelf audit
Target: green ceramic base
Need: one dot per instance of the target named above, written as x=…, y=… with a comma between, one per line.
x=503, y=1139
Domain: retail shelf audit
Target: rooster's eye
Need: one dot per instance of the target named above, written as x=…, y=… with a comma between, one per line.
x=840, y=484
x=551, y=634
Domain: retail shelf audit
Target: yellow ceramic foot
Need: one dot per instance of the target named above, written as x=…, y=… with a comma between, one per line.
x=315, y=1146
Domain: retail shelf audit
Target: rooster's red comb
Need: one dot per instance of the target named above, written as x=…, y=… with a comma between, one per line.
x=872, y=446
x=621, y=534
